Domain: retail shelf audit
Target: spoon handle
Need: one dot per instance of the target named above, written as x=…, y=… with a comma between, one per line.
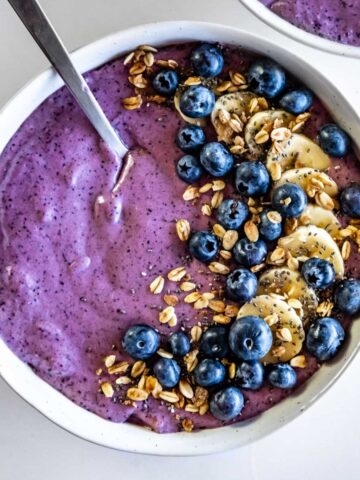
x=42, y=31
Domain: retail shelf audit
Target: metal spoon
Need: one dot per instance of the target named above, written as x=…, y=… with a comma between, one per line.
x=43, y=32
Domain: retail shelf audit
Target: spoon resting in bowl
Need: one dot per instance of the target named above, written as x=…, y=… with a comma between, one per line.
x=40, y=28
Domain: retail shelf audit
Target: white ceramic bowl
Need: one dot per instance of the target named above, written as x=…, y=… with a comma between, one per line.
x=125, y=436
x=285, y=27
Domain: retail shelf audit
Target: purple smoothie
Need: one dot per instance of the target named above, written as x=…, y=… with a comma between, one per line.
x=337, y=20
x=76, y=271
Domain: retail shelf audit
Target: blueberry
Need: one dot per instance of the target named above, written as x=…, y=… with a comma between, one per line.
x=140, y=341
x=214, y=342
x=207, y=60
x=216, y=159
x=297, y=101
x=318, y=273
x=350, y=200
x=179, y=344
x=167, y=371
x=209, y=372
x=324, y=338
x=227, y=403
x=282, y=375
x=268, y=229
x=231, y=214
x=289, y=199
x=252, y=179
x=250, y=338
x=166, y=82
x=333, y=140
x=189, y=169
x=250, y=375
x=266, y=78
x=203, y=246
x=241, y=285
x=190, y=138
x=347, y=296
x=197, y=101
x=249, y=253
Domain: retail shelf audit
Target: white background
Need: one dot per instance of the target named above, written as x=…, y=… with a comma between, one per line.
x=323, y=443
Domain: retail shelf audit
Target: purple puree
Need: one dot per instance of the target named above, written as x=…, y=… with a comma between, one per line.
x=337, y=20
x=76, y=274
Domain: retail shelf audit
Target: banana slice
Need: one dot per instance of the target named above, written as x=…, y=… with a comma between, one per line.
x=298, y=151
x=289, y=283
x=256, y=123
x=310, y=178
x=320, y=217
x=312, y=241
x=286, y=326
x=201, y=122
x=237, y=102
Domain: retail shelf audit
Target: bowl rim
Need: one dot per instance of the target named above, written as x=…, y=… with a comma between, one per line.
x=296, y=33
x=127, y=437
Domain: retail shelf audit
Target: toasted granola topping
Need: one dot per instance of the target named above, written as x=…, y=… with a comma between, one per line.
x=183, y=229
x=195, y=333
x=107, y=389
x=109, y=361
x=164, y=353
x=157, y=285
x=275, y=171
x=299, y=361
x=217, y=306
x=132, y=103
x=217, y=199
x=187, y=286
x=251, y=231
x=167, y=314
x=206, y=210
x=274, y=216
x=217, y=267
x=118, y=368
x=191, y=193
x=186, y=389
x=176, y=274
x=346, y=250
x=191, y=360
x=137, y=394
x=229, y=239
x=232, y=370
x=167, y=396
x=231, y=310
x=187, y=425
x=171, y=300
x=138, y=368
x=221, y=319
x=219, y=230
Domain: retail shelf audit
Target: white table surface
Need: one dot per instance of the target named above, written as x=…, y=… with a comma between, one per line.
x=323, y=443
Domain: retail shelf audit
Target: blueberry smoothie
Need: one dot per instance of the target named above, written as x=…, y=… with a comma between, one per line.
x=209, y=277
x=337, y=20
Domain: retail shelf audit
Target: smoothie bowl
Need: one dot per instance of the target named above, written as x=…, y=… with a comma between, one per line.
x=165, y=309
x=332, y=25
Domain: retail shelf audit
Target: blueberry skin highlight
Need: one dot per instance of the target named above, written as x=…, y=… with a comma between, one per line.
x=297, y=101
x=324, y=338
x=318, y=273
x=140, y=341
x=297, y=196
x=249, y=253
x=179, y=344
x=209, y=373
x=232, y=214
x=167, y=371
x=214, y=342
x=350, y=200
x=266, y=78
x=269, y=230
x=197, y=102
x=250, y=375
x=250, y=338
x=241, y=285
x=333, y=140
x=190, y=138
x=166, y=82
x=282, y=375
x=207, y=60
x=347, y=296
x=203, y=246
x=252, y=179
x=227, y=404
x=216, y=159
x=189, y=169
